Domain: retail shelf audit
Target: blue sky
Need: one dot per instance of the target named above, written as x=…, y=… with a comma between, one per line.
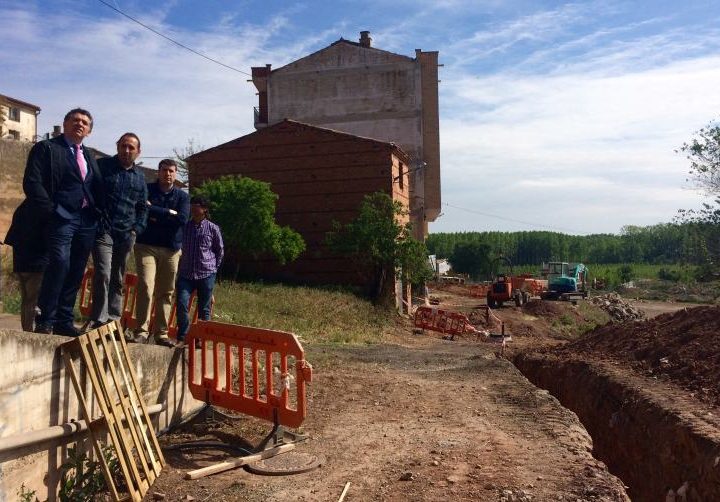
x=554, y=115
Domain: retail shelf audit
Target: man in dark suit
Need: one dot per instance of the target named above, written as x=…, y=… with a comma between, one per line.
x=62, y=186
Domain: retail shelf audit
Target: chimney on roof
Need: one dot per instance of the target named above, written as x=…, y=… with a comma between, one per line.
x=56, y=131
x=365, y=40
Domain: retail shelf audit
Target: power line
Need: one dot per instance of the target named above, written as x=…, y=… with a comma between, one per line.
x=490, y=215
x=173, y=41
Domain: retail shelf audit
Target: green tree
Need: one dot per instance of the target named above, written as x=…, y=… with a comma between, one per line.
x=626, y=273
x=245, y=210
x=381, y=245
x=472, y=258
x=703, y=152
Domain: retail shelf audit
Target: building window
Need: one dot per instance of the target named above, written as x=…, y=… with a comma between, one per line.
x=14, y=114
x=14, y=134
x=401, y=177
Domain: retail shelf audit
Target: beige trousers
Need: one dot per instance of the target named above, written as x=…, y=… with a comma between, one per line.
x=156, y=269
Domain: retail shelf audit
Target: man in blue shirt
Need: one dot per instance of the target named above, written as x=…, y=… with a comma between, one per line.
x=126, y=215
x=157, y=254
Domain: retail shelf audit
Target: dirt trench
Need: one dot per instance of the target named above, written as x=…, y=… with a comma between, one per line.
x=657, y=441
x=646, y=391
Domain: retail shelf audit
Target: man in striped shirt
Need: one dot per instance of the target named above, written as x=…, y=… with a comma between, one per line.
x=202, y=253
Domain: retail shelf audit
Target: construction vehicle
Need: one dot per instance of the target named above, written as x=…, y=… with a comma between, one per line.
x=518, y=288
x=566, y=281
x=502, y=290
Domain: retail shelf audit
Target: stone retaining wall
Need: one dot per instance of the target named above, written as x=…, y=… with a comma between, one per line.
x=35, y=394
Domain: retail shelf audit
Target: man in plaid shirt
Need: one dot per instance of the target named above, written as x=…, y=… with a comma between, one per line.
x=202, y=253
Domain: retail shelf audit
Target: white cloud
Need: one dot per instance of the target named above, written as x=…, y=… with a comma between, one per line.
x=131, y=79
x=559, y=118
x=590, y=147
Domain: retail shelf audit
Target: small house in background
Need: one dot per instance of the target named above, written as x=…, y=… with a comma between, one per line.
x=319, y=175
x=19, y=119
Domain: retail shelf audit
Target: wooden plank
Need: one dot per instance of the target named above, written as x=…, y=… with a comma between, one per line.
x=122, y=406
x=344, y=492
x=126, y=406
x=85, y=409
x=132, y=408
x=123, y=449
x=238, y=462
x=121, y=347
x=111, y=425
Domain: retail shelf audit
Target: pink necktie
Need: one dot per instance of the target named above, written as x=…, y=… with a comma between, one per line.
x=81, y=161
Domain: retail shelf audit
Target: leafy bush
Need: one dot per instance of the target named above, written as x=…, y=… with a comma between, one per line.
x=244, y=209
x=25, y=495
x=626, y=273
x=82, y=479
x=705, y=273
x=380, y=244
x=667, y=274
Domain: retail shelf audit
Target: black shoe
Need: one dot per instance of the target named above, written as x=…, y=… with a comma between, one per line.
x=45, y=329
x=139, y=337
x=66, y=330
x=96, y=324
x=165, y=342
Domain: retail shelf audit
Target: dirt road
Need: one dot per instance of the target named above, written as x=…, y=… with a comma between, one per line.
x=419, y=418
x=425, y=419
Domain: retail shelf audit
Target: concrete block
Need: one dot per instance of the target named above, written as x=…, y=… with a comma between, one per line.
x=35, y=394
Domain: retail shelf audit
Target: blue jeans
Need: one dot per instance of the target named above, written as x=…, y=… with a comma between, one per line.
x=69, y=244
x=184, y=288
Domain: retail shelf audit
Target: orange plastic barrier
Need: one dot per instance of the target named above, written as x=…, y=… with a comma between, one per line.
x=257, y=378
x=129, y=297
x=86, y=292
x=127, y=318
x=443, y=321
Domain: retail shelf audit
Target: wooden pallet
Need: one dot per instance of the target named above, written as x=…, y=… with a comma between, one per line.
x=124, y=417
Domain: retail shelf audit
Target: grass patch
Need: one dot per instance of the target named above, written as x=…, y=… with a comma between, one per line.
x=10, y=294
x=317, y=315
x=590, y=317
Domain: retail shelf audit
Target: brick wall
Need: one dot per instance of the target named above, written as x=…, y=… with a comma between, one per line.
x=319, y=176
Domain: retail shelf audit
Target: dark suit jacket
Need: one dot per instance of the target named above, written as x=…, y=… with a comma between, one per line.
x=52, y=184
x=52, y=181
x=27, y=238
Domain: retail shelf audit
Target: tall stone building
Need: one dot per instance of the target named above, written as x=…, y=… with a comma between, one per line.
x=356, y=88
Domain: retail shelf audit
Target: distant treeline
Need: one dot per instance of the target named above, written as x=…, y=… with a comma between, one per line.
x=669, y=243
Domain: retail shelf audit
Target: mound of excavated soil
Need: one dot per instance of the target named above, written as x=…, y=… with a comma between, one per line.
x=543, y=308
x=683, y=347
